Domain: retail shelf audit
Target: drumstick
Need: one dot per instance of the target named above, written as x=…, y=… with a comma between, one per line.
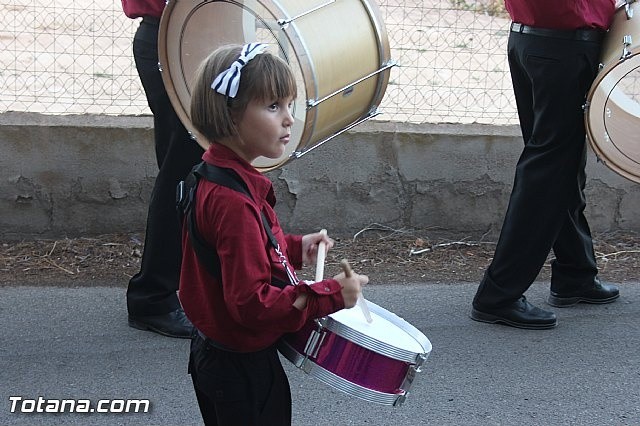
x=322, y=248
x=346, y=268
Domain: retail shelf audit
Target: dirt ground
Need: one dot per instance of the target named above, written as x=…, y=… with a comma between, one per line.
x=388, y=256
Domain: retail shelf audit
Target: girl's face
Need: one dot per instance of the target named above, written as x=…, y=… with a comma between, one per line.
x=264, y=129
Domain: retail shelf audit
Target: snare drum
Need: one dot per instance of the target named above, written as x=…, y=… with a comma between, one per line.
x=612, y=117
x=338, y=51
x=374, y=361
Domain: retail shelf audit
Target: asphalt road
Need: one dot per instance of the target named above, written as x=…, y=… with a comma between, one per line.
x=62, y=343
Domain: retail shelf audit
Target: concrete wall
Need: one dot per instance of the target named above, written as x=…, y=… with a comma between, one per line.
x=86, y=175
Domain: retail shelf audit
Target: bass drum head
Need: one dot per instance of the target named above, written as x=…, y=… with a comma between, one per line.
x=190, y=31
x=613, y=117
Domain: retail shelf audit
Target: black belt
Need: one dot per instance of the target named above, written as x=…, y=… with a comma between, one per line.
x=212, y=342
x=580, y=35
x=256, y=354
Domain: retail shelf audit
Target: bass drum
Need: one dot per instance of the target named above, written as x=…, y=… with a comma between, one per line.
x=612, y=116
x=338, y=51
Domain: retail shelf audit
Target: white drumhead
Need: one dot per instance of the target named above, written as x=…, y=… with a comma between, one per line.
x=380, y=329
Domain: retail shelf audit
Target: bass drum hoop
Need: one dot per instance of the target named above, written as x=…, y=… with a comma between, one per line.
x=614, y=156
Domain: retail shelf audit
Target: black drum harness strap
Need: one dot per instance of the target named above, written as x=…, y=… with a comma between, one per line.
x=186, y=206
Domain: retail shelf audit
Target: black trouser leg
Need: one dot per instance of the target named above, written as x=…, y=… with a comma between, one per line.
x=550, y=78
x=248, y=389
x=152, y=291
x=575, y=264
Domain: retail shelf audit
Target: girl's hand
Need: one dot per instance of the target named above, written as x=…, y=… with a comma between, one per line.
x=351, y=287
x=310, y=246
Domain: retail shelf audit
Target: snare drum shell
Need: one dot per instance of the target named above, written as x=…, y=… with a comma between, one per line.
x=353, y=362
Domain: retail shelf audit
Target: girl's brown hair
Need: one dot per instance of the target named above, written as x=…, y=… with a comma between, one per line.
x=265, y=77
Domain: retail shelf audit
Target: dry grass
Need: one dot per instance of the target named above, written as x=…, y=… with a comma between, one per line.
x=388, y=256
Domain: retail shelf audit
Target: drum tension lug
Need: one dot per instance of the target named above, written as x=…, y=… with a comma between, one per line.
x=401, y=399
x=420, y=360
x=312, y=347
x=626, y=41
x=628, y=10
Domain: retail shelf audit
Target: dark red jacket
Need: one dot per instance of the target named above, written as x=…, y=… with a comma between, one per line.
x=245, y=312
x=139, y=8
x=562, y=14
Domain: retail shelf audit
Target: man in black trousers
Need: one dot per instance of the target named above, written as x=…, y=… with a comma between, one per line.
x=152, y=301
x=553, y=51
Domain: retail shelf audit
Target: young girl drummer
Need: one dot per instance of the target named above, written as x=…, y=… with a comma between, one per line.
x=241, y=103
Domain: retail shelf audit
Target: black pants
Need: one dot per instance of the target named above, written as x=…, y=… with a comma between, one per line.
x=551, y=78
x=247, y=389
x=152, y=291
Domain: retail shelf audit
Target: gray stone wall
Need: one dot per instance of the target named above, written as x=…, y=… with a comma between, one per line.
x=87, y=175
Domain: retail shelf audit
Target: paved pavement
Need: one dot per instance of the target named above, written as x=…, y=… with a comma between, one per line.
x=61, y=343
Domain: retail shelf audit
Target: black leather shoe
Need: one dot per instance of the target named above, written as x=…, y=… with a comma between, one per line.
x=600, y=293
x=519, y=314
x=173, y=324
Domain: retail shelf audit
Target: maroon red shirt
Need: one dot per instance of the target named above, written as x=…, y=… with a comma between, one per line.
x=562, y=14
x=139, y=8
x=245, y=312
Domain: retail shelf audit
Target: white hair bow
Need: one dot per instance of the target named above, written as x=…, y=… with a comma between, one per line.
x=228, y=81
